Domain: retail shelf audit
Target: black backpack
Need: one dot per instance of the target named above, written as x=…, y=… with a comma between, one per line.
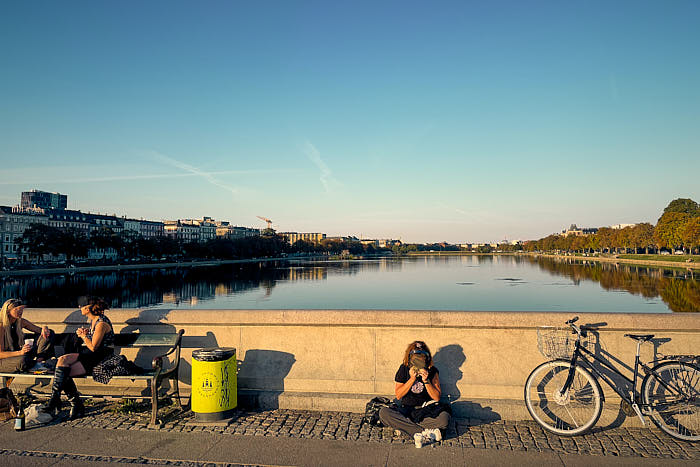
x=372, y=410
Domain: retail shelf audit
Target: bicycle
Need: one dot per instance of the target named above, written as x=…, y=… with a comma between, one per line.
x=564, y=396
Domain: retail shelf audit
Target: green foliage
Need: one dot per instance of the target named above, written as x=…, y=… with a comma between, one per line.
x=683, y=205
x=41, y=239
x=678, y=227
x=668, y=230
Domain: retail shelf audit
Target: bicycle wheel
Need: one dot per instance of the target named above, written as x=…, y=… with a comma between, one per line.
x=671, y=393
x=567, y=414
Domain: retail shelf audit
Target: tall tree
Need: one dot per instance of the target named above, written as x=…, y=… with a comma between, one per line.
x=691, y=234
x=39, y=240
x=683, y=205
x=667, y=233
x=103, y=239
x=643, y=236
x=72, y=242
x=606, y=237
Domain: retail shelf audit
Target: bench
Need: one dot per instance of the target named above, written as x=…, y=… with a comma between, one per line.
x=153, y=377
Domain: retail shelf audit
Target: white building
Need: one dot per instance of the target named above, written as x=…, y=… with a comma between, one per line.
x=13, y=223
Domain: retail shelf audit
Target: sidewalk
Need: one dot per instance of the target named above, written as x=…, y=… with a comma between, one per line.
x=285, y=437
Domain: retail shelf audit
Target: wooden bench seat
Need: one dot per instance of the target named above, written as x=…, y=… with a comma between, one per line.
x=154, y=377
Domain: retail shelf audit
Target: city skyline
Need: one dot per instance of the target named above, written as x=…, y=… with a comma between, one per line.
x=457, y=122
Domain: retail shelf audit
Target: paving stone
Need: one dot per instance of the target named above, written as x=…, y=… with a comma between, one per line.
x=471, y=433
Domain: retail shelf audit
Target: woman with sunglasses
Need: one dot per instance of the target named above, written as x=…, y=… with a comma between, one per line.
x=16, y=353
x=418, y=411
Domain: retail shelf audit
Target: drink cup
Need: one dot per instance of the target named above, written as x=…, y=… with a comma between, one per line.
x=29, y=342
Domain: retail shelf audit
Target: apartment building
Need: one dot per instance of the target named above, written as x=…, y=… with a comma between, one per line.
x=293, y=237
x=13, y=223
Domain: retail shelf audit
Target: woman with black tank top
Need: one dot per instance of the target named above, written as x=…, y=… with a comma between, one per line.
x=97, y=341
x=417, y=411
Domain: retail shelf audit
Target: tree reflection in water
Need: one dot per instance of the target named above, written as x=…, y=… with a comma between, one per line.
x=150, y=287
x=195, y=286
x=679, y=289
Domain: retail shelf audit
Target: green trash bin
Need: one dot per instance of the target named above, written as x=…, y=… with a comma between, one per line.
x=214, y=388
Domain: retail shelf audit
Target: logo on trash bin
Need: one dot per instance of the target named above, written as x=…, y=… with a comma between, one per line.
x=206, y=387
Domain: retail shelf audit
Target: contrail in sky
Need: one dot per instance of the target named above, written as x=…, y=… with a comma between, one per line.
x=326, y=175
x=195, y=171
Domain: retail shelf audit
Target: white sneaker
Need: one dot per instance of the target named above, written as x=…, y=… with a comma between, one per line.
x=420, y=440
x=434, y=433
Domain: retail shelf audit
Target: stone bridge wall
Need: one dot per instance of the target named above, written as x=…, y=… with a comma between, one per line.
x=338, y=360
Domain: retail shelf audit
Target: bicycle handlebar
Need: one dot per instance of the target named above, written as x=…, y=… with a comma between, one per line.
x=581, y=331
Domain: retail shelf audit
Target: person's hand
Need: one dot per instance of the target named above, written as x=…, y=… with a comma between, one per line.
x=81, y=332
x=424, y=375
x=26, y=348
x=45, y=332
x=412, y=372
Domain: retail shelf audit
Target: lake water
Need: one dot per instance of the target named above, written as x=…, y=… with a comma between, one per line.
x=470, y=283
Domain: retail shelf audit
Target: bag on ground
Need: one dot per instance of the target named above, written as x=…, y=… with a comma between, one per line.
x=372, y=410
x=34, y=416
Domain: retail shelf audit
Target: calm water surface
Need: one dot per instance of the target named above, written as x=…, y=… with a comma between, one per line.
x=479, y=283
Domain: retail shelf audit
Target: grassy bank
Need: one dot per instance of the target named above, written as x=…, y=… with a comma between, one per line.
x=669, y=258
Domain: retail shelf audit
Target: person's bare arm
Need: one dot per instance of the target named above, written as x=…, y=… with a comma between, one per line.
x=432, y=386
x=401, y=389
x=11, y=353
x=100, y=330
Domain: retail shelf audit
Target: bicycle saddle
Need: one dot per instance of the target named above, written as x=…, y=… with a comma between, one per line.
x=640, y=337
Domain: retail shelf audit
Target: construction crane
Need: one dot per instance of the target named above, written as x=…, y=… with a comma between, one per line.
x=269, y=222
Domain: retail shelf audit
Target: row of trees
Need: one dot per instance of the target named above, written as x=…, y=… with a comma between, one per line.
x=678, y=228
x=40, y=240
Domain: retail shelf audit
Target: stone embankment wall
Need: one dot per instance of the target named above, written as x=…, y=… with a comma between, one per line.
x=338, y=360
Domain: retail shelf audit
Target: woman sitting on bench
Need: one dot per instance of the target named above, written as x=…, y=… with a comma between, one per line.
x=16, y=354
x=97, y=342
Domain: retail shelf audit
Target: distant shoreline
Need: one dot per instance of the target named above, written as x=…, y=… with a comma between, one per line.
x=600, y=259
x=126, y=267
x=640, y=262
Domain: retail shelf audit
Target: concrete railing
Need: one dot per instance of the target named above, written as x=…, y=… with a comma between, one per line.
x=338, y=359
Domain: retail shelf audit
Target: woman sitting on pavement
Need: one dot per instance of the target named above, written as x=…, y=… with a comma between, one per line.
x=418, y=412
x=16, y=354
x=97, y=341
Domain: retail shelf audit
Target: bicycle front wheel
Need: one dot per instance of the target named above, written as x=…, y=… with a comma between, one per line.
x=671, y=393
x=571, y=413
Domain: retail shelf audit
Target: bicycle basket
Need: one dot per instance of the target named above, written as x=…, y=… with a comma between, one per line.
x=557, y=342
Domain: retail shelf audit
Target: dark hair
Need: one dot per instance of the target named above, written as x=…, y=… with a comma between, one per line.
x=418, y=346
x=97, y=306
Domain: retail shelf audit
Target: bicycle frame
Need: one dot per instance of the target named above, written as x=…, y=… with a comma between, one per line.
x=581, y=353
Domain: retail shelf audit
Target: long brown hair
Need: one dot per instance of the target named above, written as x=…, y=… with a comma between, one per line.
x=417, y=345
x=6, y=324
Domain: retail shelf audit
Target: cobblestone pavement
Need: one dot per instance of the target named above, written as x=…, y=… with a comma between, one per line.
x=16, y=456
x=466, y=433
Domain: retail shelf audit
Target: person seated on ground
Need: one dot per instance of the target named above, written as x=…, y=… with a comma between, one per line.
x=417, y=412
x=97, y=346
x=16, y=354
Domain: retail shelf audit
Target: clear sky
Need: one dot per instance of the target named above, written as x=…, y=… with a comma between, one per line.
x=426, y=121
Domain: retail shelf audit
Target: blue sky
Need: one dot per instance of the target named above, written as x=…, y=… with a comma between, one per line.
x=425, y=121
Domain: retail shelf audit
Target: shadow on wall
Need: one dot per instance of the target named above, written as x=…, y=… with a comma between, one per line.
x=449, y=360
x=262, y=372
x=153, y=321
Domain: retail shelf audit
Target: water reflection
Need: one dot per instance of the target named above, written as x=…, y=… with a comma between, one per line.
x=192, y=286
x=468, y=282
x=679, y=289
